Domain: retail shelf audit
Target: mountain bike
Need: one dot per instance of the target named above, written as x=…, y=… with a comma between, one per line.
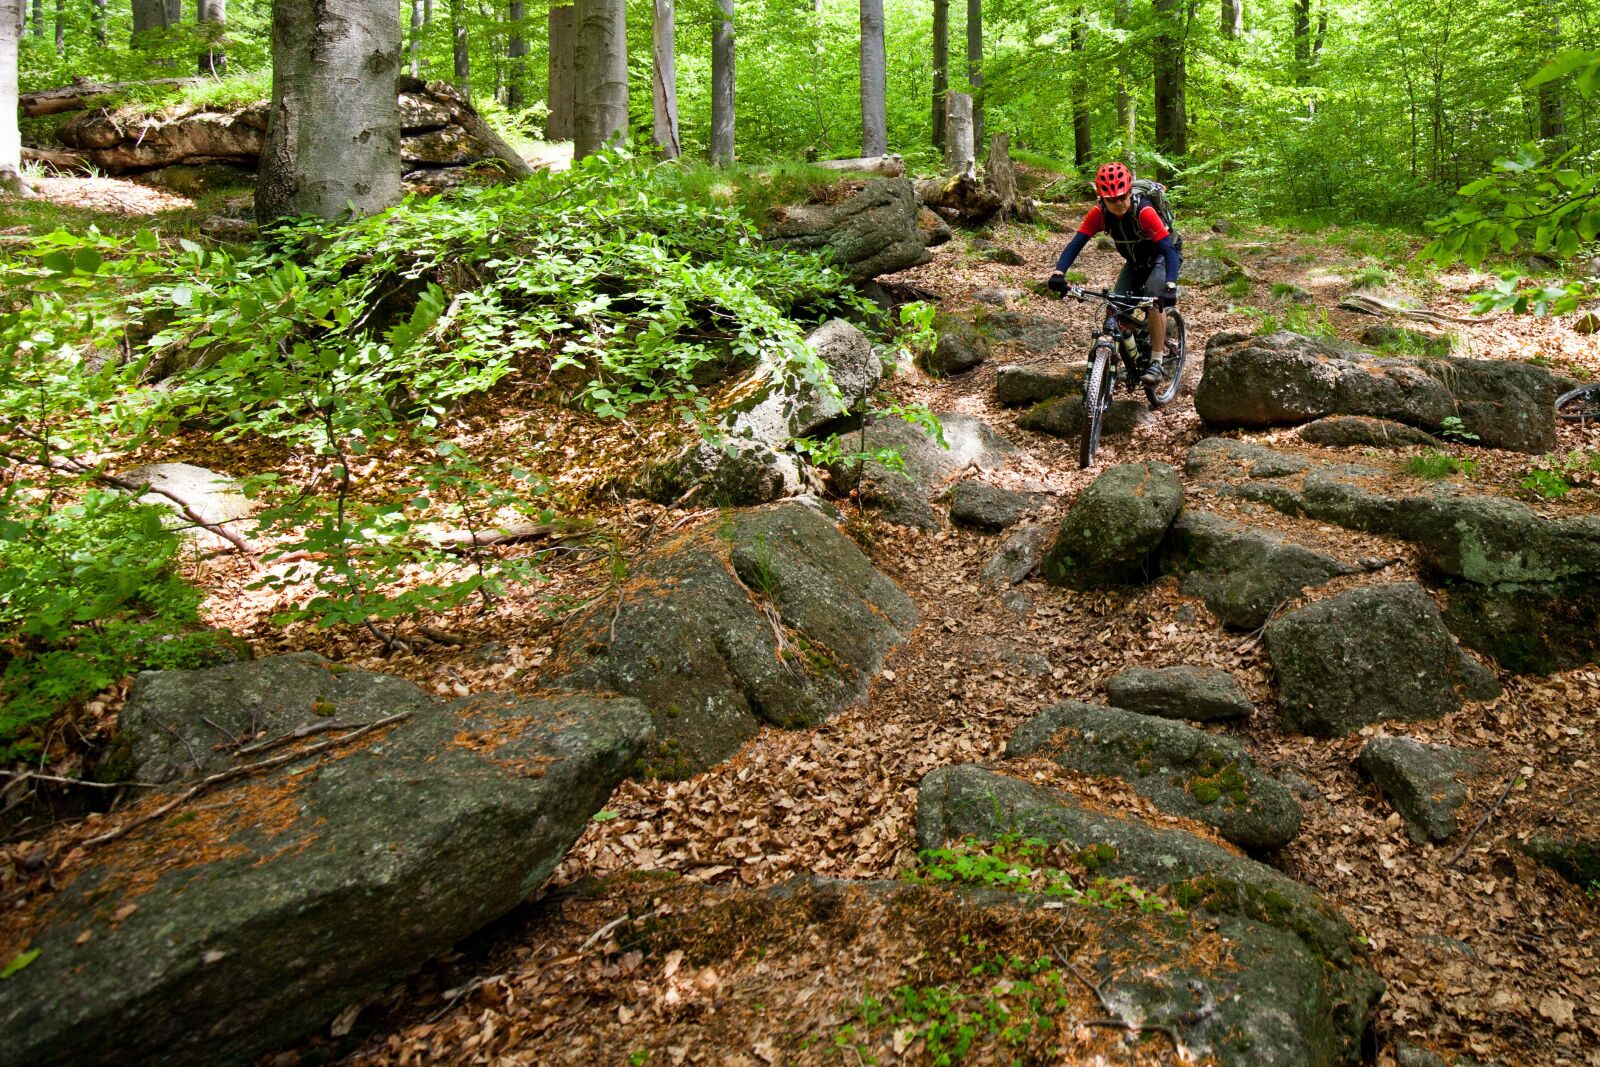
x=1581, y=404
x=1123, y=334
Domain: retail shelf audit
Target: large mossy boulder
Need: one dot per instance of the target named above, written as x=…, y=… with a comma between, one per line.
x=1199, y=694
x=770, y=616
x=1111, y=534
x=1376, y=653
x=1015, y=385
x=257, y=913
x=1064, y=417
x=1242, y=573
x=1332, y=1002
x=990, y=508
x=1181, y=769
x=1038, y=335
x=1359, y=431
x=960, y=348
x=870, y=232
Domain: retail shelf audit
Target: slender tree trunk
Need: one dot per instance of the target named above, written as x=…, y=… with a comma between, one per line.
x=1127, y=106
x=173, y=13
x=517, y=54
x=100, y=19
x=1082, y=128
x=941, y=66
x=458, y=44
x=563, y=78
x=10, y=135
x=211, y=16
x=975, y=65
x=958, y=134
x=1172, y=117
x=1233, y=19
x=61, y=27
x=664, y=97
x=722, y=85
x=333, y=136
x=1302, y=42
x=874, y=82
x=148, y=15
x=415, y=45
x=602, y=75
x=38, y=19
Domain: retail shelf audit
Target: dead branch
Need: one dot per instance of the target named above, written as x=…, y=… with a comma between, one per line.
x=238, y=772
x=298, y=733
x=1368, y=304
x=610, y=926
x=1511, y=781
x=19, y=777
x=440, y=637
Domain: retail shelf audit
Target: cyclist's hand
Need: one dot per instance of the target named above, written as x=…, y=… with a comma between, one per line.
x=1168, y=297
x=1057, y=283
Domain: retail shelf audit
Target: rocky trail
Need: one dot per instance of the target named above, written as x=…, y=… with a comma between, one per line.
x=1357, y=812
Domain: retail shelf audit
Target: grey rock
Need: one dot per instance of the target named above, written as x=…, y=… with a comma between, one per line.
x=1528, y=627
x=1017, y=602
x=1586, y=324
x=998, y=295
x=1575, y=857
x=961, y=347
x=215, y=498
x=1038, y=335
x=1242, y=573
x=1375, y=653
x=167, y=737
x=1018, y=556
x=688, y=635
x=288, y=896
x=934, y=230
x=1016, y=385
x=1200, y=694
x=902, y=497
x=1425, y=783
x=229, y=229
x=1222, y=457
x=1111, y=534
x=1063, y=417
x=990, y=252
x=1289, y=293
x=1208, y=270
x=969, y=801
x=873, y=232
x=1352, y=431
x=1224, y=226
x=1409, y=1055
x=1182, y=770
x=1389, y=296
x=988, y=507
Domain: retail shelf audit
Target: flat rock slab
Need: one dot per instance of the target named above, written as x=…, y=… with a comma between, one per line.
x=1208, y=270
x=902, y=496
x=1181, y=769
x=990, y=508
x=1376, y=653
x=1063, y=417
x=264, y=908
x=1038, y=335
x=872, y=232
x=1111, y=534
x=1018, y=556
x=770, y=616
x=1199, y=694
x=1358, y=431
x=215, y=498
x=957, y=802
x=960, y=348
x=1242, y=573
x=1425, y=783
x=1015, y=385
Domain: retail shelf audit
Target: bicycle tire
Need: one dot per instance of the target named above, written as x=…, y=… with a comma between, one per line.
x=1097, y=389
x=1580, y=404
x=1160, y=398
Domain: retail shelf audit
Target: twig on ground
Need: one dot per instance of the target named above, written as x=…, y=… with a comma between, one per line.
x=440, y=637
x=1511, y=781
x=179, y=737
x=1115, y=1020
x=610, y=926
x=471, y=987
x=238, y=772
x=233, y=742
x=298, y=733
x=17, y=777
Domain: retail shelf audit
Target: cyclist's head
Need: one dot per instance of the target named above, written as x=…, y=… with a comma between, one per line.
x=1114, y=184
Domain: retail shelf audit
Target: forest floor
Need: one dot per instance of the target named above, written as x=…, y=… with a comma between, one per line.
x=1485, y=955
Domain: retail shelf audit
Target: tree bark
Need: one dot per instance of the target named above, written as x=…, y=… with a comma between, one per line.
x=941, y=66
x=1127, y=107
x=722, y=86
x=415, y=44
x=1302, y=42
x=101, y=16
x=10, y=134
x=333, y=135
x=874, y=81
x=563, y=78
x=1082, y=128
x=1001, y=175
x=174, y=13
x=665, y=86
x=1233, y=19
x=958, y=135
x=38, y=20
x=1172, y=114
x=975, y=65
x=211, y=16
x=517, y=54
x=602, y=76
x=458, y=45
x=148, y=15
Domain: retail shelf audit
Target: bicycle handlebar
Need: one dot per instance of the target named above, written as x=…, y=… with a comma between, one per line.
x=1126, y=301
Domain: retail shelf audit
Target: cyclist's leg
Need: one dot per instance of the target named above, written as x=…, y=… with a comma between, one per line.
x=1155, y=319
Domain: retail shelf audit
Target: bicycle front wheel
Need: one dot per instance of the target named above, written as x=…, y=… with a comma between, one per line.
x=1580, y=404
x=1162, y=395
x=1096, y=399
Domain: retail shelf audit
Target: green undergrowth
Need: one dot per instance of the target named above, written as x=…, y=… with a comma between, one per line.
x=1307, y=320
x=1554, y=475
x=1434, y=465
x=1017, y=864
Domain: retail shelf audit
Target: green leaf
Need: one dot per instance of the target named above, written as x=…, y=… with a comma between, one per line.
x=87, y=260
x=145, y=241
x=603, y=816
x=182, y=295
x=58, y=261
x=18, y=962
x=1564, y=64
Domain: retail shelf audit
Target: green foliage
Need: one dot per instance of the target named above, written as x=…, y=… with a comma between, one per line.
x=1239, y=287
x=1297, y=318
x=1452, y=428
x=1014, y=863
x=1553, y=476
x=1434, y=465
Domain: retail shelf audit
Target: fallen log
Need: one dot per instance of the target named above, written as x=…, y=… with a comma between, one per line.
x=890, y=166
x=963, y=195
x=56, y=160
x=80, y=95
x=1367, y=304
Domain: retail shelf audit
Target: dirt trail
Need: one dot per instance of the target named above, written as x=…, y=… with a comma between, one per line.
x=1493, y=957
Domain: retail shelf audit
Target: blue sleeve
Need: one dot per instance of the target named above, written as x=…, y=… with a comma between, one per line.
x=1070, y=253
x=1174, y=261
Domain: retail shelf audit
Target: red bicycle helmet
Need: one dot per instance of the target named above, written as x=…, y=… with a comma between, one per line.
x=1113, y=180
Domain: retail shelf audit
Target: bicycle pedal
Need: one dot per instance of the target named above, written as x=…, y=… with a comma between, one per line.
x=1155, y=374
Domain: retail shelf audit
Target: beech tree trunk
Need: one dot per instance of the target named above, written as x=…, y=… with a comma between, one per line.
x=874, y=81
x=101, y=16
x=975, y=65
x=10, y=135
x=38, y=19
x=1302, y=42
x=148, y=15
x=1082, y=128
x=563, y=76
x=1172, y=114
x=665, y=94
x=1127, y=106
x=211, y=16
x=333, y=135
x=458, y=45
x=174, y=13
x=958, y=135
x=415, y=46
x=602, y=76
x=517, y=54
x=941, y=66
x=1233, y=19
x=722, y=82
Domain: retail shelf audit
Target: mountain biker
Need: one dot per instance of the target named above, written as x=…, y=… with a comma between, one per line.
x=1148, y=247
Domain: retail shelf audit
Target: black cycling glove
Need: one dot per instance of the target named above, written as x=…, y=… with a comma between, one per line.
x=1056, y=283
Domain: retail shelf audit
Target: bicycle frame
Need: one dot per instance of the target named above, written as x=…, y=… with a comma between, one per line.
x=1120, y=323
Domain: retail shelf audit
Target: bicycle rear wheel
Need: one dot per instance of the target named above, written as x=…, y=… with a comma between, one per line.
x=1580, y=404
x=1096, y=398
x=1162, y=395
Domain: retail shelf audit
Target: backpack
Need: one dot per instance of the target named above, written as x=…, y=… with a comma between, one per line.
x=1154, y=193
